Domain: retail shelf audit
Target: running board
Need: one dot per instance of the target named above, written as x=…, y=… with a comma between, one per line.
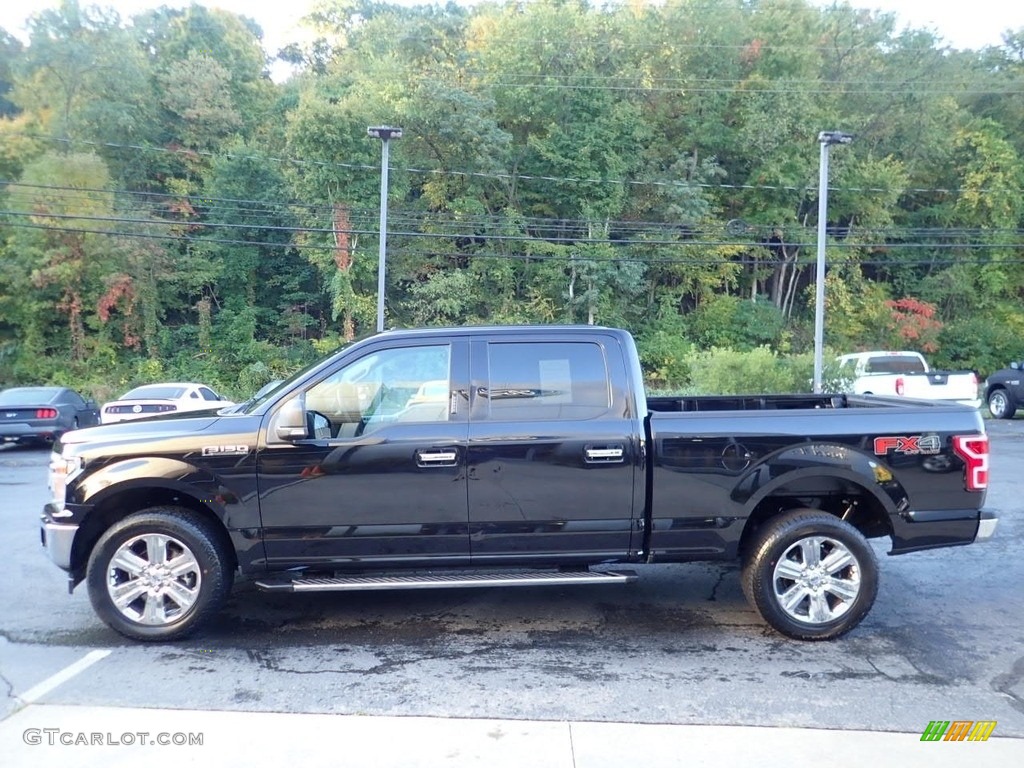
x=364, y=583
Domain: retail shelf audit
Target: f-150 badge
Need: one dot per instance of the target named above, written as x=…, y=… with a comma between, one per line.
x=909, y=444
x=225, y=450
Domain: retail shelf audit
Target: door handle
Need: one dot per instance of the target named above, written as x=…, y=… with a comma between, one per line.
x=443, y=458
x=607, y=454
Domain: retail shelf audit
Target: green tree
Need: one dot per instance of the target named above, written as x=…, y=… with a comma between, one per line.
x=57, y=256
x=10, y=50
x=83, y=77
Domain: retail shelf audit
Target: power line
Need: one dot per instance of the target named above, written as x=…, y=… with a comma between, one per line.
x=171, y=223
x=834, y=90
x=557, y=238
x=558, y=230
x=498, y=176
x=541, y=257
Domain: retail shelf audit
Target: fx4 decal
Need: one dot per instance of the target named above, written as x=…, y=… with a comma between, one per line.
x=908, y=444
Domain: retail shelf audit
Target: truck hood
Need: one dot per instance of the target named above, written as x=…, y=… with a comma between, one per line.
x=156, y=428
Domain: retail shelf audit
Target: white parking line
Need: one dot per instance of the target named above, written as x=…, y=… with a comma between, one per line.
x=36, y=692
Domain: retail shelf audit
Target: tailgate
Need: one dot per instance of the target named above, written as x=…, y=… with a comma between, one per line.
x=941, y=385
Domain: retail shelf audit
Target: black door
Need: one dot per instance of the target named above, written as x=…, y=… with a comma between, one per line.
x=381, y=479
x=553, y=452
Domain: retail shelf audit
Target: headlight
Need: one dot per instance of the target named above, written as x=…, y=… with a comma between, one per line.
x=63, y=469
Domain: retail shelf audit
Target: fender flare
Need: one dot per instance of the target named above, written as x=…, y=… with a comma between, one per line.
x=825, y=461
x=153, y=472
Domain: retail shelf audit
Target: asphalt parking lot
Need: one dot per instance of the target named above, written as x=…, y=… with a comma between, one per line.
x=945, y=641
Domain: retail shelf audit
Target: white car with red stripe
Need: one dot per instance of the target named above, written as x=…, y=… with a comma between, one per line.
x=158, y=399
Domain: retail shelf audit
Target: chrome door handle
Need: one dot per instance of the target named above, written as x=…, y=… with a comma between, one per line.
x=434, y=458
x=610, y=454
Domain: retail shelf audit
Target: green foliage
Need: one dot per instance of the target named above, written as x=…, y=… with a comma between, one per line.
x=857, y=316
x=665, y=357
x=984, y=342
x=646, y=165
x=443, y=298
x=729, y=321
x=757, y=371
x=254, y=376
x=195, y=92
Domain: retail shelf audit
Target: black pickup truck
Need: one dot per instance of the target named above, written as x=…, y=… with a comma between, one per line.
x=478, y=457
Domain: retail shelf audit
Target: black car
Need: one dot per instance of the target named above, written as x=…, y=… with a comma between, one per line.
x=1004, y=390
x=43, y=414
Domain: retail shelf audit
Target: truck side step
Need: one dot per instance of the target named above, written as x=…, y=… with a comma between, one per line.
x=440, y=581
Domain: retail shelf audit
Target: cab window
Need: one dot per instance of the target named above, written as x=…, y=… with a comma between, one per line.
x=546, y=381
x=390, y=386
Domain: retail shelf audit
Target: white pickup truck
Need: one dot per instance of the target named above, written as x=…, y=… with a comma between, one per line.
x=906, y=374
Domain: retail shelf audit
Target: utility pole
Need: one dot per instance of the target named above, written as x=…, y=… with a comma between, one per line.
x=826, y=139
x=385, y=133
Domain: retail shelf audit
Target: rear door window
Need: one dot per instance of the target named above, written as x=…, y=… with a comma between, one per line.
x=546, y=381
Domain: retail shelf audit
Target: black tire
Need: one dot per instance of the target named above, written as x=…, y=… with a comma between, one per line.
x=828, y=600
x=1001, y=404
x=163, y=605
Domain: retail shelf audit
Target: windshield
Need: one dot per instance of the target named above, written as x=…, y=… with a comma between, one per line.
x=28, y=395
x=154, y=392
x=265, y=392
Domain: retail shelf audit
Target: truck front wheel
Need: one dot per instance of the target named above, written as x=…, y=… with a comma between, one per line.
x=810, y=575
x=1000, y=405
x=158, y=574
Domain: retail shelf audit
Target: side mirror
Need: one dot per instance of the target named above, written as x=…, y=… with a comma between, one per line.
x=290, y=421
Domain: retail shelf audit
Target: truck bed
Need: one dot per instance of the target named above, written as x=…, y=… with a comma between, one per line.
x=718, y=403
x=713, y=457
x=744, y=402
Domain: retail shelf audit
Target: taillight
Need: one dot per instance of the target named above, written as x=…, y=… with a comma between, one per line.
x=46, y=413
x=973, y=449
x=899, y=385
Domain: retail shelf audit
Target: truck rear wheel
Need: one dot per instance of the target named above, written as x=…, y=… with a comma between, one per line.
x=158, y=574
x=810, y=575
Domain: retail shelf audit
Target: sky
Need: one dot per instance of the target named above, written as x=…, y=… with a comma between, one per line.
x=960, y=23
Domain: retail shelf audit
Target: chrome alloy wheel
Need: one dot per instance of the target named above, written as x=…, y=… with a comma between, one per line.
x=153, y=579
x=998, y=404
x=816, y=580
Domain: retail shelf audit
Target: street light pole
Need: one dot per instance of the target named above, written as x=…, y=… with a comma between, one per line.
x=384, y=133
x=826, y=139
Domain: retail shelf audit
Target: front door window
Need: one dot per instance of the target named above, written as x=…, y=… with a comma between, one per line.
x=393, y=386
